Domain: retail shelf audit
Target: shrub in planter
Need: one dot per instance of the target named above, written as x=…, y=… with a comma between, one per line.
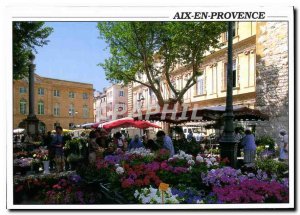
x=266, y=141
x=190, y=147
x=272, y=167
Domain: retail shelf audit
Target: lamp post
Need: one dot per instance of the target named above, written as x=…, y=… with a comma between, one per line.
x=228, y=143
x=31, y=122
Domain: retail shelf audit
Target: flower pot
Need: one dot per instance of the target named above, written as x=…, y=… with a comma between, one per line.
x=46, y=167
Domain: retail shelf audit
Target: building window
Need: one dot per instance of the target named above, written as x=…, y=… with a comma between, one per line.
x=200, y=85
x=109, y=106
x=56, y=110
x=41, y=91
x=56, y=93
x=85, y=96
x=71, y=110
x=23, y=106
x=71, y=95
x=234, y=31
x=234, y=75
x=23, y=90
x=121, y=93
x=41, y=108
x=85, y=111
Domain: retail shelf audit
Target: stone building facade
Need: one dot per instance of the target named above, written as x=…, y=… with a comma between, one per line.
x=272, y=73
x=111, y=103
x=100, y=106
x=117, y=102
x=57, y=102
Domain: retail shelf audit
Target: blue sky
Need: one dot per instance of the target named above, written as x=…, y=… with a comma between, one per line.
x=73, y=53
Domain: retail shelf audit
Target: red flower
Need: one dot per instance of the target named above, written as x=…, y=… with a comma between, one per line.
x=69, y=190
x=56, y=186
x=157, y=182
x=139, y=182
x=146, y=181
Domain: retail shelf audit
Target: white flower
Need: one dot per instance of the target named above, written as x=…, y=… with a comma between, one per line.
x=199, y=158
x=153, y=196
x=216, y=163
x=191, y=162
x=120, y=170
x=212, y=159
x=189, y=157
x=251, y=175
x=208, y=163
x=136, y=194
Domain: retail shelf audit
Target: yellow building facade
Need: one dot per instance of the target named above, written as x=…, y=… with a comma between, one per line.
x=57, y=102
x=210, y=89
x=260, y=76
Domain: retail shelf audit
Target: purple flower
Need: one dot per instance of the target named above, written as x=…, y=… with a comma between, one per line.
x=113, y=159
x=79, y=196
x=75, y=178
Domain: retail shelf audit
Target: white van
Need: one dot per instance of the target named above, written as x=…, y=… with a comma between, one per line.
x=197, y=133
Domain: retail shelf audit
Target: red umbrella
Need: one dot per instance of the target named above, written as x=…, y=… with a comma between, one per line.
x=145, y=124
x=125, y=122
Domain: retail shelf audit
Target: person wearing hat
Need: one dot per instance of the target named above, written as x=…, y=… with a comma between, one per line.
x=248, y=142
x=283, y=145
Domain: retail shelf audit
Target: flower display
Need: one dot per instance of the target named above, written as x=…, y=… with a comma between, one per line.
x=23, y=162
x=208, y=160
x=137, y=174
x=41, y=153
x=252, y=191
x=154, y=196
x=189, y=195
x=140, y=151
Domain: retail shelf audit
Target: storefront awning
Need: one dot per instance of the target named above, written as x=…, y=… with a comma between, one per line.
x=241, y=113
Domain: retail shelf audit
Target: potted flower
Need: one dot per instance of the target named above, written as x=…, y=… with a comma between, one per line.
x=42, y=154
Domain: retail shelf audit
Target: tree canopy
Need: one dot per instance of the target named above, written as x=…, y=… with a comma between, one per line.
x=154, y=49
x=26, y=36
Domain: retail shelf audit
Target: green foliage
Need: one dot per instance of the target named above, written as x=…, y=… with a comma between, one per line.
x=74, y=158
x=266, y=140
x=75, y=149
x=155, y=48
x=189, y=147
x=272, y=166
x=90, y=174
x=214, y=151
x=26, y=36
x=259, y=149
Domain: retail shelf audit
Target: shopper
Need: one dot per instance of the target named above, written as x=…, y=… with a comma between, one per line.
x=57, y=144
x=93, y=147
x=135, y=143
x=167, y=142
x=283, y=145
x=248, y=142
